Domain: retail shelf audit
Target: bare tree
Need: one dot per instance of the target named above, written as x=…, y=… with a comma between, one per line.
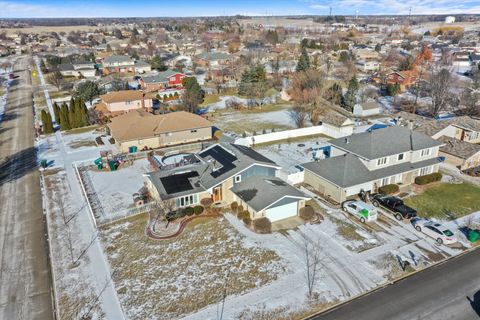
x=299, y=116
x=470, y=102
x=439, y=89
x=56, y=79
x=313, y=262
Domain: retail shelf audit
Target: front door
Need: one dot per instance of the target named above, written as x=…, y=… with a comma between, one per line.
x=217, y=194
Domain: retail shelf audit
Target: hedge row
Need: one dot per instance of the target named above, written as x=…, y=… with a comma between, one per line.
x=389, y=189
x=429, y=178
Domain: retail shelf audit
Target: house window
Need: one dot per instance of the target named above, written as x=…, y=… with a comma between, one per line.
x=425, y=152
x=424, y=171
x=193, y=131
x=400, y=157
x=384, y=181
x=382, y=161
x=140, y=141
x=238, y=179
x=187, y=200
x=168, y=134
x=473, y=135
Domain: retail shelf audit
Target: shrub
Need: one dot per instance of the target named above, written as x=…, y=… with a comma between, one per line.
x=307, y=213
x=247, y=221
x=198, y=210
x=389, y=189
x=99, y=140
x=234, y=206
x=428, y=178
x=240, y=208
x=206, y=202
x=112, y=140
x=243, y=214
x=262, y=225
x=189, y=211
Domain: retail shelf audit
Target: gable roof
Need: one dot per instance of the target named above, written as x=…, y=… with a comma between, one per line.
x=122, y=95
x=117, y=59
x=139, y=124
x=159, y=77
x=259, y=192
x=348, y=170
x=213, y=56
x=458, y=147
x=384, y=142
x=217, y=163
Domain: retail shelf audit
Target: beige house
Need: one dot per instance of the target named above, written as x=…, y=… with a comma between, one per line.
x=336, y=124
x=459, y=153
x=144, y=130
x=119, y=102
x=369, y=160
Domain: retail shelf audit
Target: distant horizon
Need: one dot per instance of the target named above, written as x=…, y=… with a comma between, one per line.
x=48, y=9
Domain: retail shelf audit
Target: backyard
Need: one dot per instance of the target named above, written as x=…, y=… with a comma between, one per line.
x=439, y=200
x=170, y=278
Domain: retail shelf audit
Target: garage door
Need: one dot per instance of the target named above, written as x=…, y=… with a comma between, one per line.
x=282, y=211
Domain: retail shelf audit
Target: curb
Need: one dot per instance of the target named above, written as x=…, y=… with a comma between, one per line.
x=151, y=235
x=401, y=278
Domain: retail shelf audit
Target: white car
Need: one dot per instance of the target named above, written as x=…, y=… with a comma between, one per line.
x=435, y=230
x=363, y=211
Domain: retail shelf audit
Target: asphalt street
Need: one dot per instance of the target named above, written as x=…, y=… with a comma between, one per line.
x=448, y=291
x=25, y=291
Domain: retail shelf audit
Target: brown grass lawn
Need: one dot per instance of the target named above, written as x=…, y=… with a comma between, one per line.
x=175, y=277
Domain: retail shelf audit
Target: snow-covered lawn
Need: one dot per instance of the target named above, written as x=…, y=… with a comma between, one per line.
x=239, y=122
x=290, y=154
x=115, y=189
x=167, y=279
x=76, y=294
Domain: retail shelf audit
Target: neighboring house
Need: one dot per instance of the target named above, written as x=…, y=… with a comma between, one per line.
x=369, y=108
x=162, y=80
x=403, y=78
x=142, y=67
x=118, y=64
x=459, y=153
x=84, y=69
x=369, y=160
x=368, y=65
x=226, y=173
x=213, y=59
x=144, y=130
x=336, y=125
x=366, y=54
x=119, y=102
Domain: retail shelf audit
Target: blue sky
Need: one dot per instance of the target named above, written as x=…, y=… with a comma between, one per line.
x=142, y=8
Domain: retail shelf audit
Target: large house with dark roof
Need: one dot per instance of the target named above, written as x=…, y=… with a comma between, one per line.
x=225, y=173
x=369, y=160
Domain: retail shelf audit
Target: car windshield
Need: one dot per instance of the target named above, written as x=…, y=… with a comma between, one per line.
x=448, y=233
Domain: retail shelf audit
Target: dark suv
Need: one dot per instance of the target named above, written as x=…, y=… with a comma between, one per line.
x=395, y=205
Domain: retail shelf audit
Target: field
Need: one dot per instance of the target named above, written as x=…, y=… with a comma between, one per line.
x=167, y=279
x=48, y=29
x=437, y=201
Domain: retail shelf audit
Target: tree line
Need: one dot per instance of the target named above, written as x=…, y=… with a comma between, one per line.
x=71, y=116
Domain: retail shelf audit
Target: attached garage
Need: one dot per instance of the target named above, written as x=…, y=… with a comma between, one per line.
x=283, y=209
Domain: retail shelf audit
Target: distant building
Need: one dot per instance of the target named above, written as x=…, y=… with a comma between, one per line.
x=118, y=102
x=450, y=19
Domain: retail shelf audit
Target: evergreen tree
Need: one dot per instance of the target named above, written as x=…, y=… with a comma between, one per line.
x=64, y=123
x=304, y=61
x=71, y=114
x=56, y=112
x=351, y=96
x=49, y=124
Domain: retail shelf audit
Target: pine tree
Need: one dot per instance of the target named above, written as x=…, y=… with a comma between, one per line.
x=64, y=123
x=304, y=61
x=56, y=112
x=49, y=124
x=351, y=96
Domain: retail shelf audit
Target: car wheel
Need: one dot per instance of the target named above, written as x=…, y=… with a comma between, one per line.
x=375, y=203
x=418, y=228
x=362, y=220
x=398, y=217
x=439, y=241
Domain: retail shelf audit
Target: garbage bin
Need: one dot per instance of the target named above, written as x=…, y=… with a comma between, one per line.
x=473, y=236
x=44, y=163
x=132, y=149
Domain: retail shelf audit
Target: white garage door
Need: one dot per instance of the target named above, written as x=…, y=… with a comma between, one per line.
x=282, y=211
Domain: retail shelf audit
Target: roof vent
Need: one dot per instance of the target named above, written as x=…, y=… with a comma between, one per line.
x=347, y=141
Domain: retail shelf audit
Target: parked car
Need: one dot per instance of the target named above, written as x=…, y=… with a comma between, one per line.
x=395, y=205
x=435, y=230
x=363, y=211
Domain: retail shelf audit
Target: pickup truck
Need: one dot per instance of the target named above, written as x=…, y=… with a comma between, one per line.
x=395, y=205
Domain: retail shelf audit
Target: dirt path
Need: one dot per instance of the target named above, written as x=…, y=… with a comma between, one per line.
x=25, y=281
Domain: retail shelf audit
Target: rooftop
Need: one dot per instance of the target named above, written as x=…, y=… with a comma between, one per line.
x=458, y=147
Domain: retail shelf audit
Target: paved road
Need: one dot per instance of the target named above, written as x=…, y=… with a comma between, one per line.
x=24, y=277
x=438, y=293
